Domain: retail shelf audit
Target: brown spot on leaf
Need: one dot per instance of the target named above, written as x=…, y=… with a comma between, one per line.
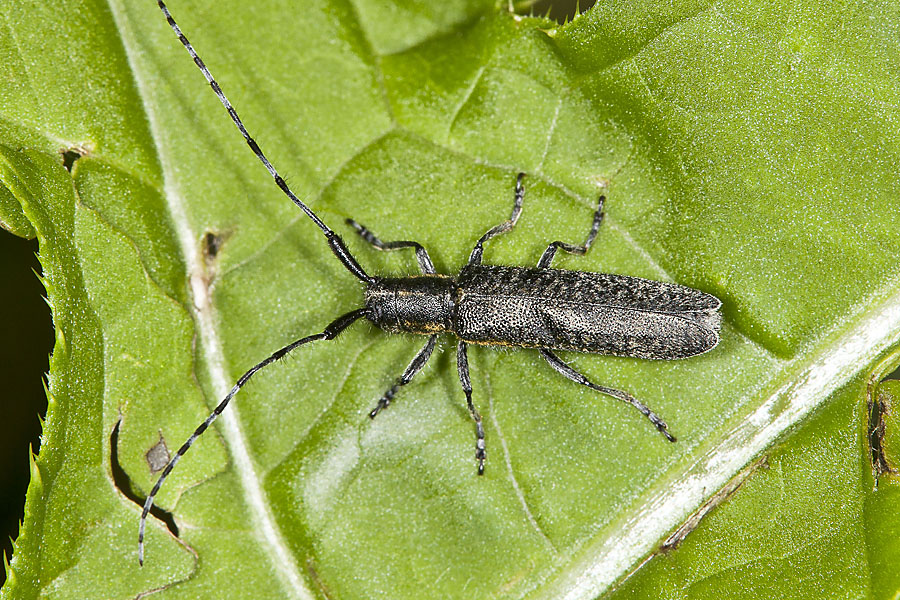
x=123, y=482
x=317, y=579
x=212, y=243
x=674, y=540
x=210, y=246
x=878, y=409
x=158, y=456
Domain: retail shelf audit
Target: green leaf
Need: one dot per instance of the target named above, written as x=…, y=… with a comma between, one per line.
x=748, y=151
x=808, y=519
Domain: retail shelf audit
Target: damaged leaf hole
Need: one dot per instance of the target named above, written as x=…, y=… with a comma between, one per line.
x=70, y=155
x=879, y=408
x=159, y=452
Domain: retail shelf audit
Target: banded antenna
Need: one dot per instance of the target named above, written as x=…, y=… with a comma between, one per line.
x=334, y=242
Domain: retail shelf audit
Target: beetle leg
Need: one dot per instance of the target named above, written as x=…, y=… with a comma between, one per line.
x=577, y=377
x=478, y=250
x=550, y=252
x=414, y=367
x=425, y=264
x=462, y=364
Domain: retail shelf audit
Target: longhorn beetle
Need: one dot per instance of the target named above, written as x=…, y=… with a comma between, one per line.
x=543, y=308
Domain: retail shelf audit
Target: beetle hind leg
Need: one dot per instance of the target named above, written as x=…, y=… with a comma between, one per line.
x=577, y=377
x=550, y=252
x=462, y=364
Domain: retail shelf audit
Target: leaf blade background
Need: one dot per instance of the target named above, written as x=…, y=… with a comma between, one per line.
x=684, y=210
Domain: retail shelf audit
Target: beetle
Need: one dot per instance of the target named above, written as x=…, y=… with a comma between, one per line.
x=543, y=308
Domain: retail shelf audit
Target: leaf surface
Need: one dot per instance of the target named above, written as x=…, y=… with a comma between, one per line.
x=746, y=151
x=806, y=520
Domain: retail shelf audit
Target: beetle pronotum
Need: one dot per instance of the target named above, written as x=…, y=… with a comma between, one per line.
x=543, y=308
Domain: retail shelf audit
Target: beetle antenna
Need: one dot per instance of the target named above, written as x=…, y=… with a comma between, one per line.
x=331, y=332
x=334, y=241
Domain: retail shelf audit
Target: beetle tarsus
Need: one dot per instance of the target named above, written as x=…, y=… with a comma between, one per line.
x=382, y=404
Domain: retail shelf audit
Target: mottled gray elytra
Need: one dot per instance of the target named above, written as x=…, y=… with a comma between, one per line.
x=543, y=308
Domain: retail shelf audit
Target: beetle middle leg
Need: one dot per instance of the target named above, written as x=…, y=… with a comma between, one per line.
x=462, y=365
x=425, y=264
x=414, y=367
x=550, y=252
x=577, y=377
x=478, y=250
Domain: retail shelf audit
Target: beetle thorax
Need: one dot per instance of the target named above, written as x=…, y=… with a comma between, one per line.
x=423, y=304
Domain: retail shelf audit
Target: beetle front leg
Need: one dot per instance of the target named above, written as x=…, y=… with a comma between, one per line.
x=577, y=377
x=462, y=364
x=425, y=264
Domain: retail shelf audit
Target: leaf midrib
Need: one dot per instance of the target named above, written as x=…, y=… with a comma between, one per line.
x=202, y=312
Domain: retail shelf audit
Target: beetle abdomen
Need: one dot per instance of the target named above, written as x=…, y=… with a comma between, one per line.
x=584, y=312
